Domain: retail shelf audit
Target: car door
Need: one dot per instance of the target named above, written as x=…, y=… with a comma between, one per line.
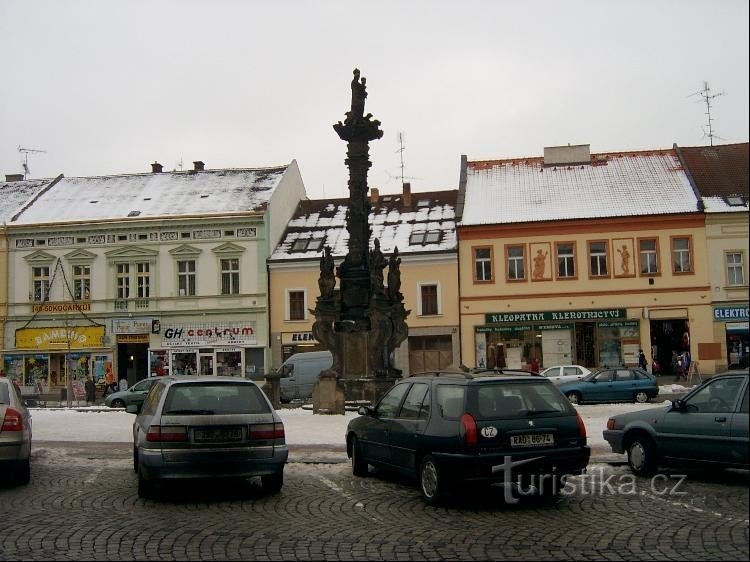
x=600, y=387
x=374, y=438
x=738, y=430
x=553, y=374
x=626, y=385
x=407, y=428
x=570, y=373
x=701, y=430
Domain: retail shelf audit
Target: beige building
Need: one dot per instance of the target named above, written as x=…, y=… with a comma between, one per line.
x=420, y=225
x=720, y=175
x=579, y=258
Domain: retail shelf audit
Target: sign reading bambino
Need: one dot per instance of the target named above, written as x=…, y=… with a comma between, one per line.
x=209, y=335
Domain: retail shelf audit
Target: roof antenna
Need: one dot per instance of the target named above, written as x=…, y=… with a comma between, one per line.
x=401, y=149
x=708, y=97
x=25, y=163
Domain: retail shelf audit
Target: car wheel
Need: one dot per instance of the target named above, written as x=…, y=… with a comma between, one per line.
x=145, y=487
x=574, y=397
x=642, y=456
x=641, y=397
x=117, y=404
x=431, y=481
x=23, y=472
x=359, y=465
x=272, y=483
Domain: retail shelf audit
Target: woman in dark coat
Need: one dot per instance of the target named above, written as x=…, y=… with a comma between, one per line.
x=90, y=388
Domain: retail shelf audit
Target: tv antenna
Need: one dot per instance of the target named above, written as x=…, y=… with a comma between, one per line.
x=400, y=150
x=708, y=98
x=26, y=152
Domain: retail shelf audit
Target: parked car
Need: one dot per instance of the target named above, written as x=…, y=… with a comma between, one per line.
x=618, y=384
x=560, y=374
x=708, y=425
x=136, y=394
x=207, y=427
x=451, y=429
x=15, y=432
x=300, y=372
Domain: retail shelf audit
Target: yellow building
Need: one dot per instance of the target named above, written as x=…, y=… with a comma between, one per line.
x=720, y=175
x=422, y=227
x=580, y=258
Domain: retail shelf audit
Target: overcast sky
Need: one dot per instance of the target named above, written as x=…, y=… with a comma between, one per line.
x=107, y=87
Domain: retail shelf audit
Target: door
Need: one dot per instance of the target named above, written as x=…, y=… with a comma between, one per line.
x=601, y=387
x=206, y=364
x=738, y=431
x=374, y=437
x=408, y=428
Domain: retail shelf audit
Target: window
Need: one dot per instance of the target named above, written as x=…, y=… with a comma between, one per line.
x=417, y=402
x=307, y=244
x=566, y=258
x=123, y=280
x=143, y=280
x=186, y=278
x=482, y=264
x=735, y=269
x=82, y=282
x=681, y=262
x=428, y=300
x=425, y=237
x=296, y=305
x=516, y=263
x=230, y=276
x=649, y=257
x=40, y=276
x=389, y=404
x=598, y=259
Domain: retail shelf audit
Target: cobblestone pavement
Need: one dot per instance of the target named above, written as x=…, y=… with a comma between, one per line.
x=82, y=505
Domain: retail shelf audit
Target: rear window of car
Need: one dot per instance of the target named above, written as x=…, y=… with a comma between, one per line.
x=517, y=400
x=215, y=398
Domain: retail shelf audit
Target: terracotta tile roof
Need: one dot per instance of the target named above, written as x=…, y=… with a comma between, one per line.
x=718, y=171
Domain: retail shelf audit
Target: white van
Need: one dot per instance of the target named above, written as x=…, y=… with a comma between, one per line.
x=300, y=372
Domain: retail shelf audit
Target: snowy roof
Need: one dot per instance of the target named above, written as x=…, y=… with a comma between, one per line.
x=720, y=173
x=426, y=225
x=154, y=195
x=14, y=195
x=609, y=185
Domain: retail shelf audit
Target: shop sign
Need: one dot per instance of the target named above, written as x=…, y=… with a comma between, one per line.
x=209, y=335
x=500, y=329
x=297, y=337
x=61, y=307
x=732, y=312
x=622, y=324
x=130, y=325
x=555, y=316
x=132, y=338
x=738, y=326
x=76, y=337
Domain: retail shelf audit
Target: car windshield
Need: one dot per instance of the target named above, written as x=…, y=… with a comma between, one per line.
x=517, y=400
x=214, y=398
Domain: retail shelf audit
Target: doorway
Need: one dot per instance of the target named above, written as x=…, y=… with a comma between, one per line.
x=585, y=352
x=668, y=336
x=132, y=362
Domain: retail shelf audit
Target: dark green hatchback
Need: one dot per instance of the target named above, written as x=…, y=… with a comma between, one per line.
x=450, y=429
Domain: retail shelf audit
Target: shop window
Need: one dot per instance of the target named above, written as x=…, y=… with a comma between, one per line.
x=735, y=269
x=598, y=253
x=82, y=282
x=296, y=305
x=230, y=276
x=516, y=262
x=482, y=264
x=681, y=259
x=648, y=255
x=428, y=300
x=40, y=280
x=186, y=278
x=566, y=259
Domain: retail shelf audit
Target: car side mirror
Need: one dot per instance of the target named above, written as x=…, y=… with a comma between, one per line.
x=679, y=405
x=365, y=411
x=133, y=408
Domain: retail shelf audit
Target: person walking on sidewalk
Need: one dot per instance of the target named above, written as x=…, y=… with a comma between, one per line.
x=90, y=389
x=642, y=363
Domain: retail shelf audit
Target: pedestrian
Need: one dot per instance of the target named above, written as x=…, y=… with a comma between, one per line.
x=686, y=359
x=675, y=365
x=2, y=373
x=90, y=388
x=642, y=363
x=534, y=365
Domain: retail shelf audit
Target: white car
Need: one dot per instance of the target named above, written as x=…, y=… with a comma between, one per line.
x=560, y=374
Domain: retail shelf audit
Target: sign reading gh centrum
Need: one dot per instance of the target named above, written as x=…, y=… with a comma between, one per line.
x=209, y=335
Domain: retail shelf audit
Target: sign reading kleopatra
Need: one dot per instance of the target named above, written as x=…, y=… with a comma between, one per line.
x=197, y=335
x=75, y=337
x=555, y=316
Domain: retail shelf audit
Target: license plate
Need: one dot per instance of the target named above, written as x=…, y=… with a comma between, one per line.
x=217, y=434
x=531, y=440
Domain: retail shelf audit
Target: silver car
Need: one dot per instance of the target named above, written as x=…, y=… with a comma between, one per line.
x=15, y=432
x=206, y=427
x=560, y=374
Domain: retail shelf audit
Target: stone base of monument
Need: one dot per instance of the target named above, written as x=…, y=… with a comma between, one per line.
x=327, y=395
x=329, y=392
x=366, y=390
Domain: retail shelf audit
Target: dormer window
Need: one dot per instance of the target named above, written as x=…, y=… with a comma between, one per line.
x=735, y=201
x=307, y=244
x=425, y=237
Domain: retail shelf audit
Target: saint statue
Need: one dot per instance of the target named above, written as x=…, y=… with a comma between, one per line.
x=327, y=279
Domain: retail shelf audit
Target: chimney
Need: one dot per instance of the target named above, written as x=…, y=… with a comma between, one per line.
x=156, y=168
x=13, y=177
x=198, y=166
x=374, y=194
x=407, y=194
x=567, y=155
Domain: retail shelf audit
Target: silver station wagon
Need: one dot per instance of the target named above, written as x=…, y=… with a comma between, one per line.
x=207, y=428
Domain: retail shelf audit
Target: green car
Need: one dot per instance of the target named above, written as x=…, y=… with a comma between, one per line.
x=135, y=395
x=708, y=426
